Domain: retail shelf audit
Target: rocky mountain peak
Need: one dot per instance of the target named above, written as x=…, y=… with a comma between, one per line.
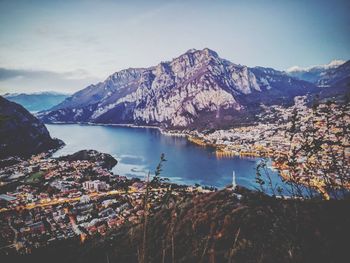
x=197, y=86
x=125, y=75
x=195, y=56
x=204, y=51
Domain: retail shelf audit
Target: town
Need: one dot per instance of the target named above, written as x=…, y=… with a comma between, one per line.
x=49, y=200
x=282, y=133
x=45, y=199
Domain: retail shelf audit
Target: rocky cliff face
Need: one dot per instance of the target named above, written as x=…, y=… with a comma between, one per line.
x=21, y=134
x=195, y=86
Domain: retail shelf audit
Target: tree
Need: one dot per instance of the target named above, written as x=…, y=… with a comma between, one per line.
x=157, y=180
x=318, y=157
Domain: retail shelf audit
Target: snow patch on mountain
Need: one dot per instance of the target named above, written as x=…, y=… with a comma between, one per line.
x=333, y=64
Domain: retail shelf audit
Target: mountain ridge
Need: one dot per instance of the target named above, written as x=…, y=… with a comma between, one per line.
x=191, y=90
x=332, y=64
x=320, y=75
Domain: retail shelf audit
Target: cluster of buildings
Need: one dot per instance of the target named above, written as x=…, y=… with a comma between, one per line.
x=95, y=185
x=54, y=200
x=48, y=200
x=282, y=130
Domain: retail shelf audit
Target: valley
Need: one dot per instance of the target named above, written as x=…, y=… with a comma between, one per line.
x=225, y=132
x=174, y=131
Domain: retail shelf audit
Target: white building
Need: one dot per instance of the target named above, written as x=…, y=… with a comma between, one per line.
x=96, y=185
x=84, y=199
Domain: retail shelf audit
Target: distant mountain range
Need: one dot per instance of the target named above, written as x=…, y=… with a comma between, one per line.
x=332, y=78
x=21, y=134
x=323, y=75
x=314, y=73
x=195, y=90
x=37, y=101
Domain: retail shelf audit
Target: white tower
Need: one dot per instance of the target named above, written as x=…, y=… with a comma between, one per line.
x=234, y=180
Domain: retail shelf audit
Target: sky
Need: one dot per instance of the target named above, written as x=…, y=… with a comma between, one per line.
x=66, y=45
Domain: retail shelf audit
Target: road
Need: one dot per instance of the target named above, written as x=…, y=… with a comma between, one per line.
x=75, y=199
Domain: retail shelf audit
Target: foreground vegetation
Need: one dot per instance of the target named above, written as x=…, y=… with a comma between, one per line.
x=221, y=226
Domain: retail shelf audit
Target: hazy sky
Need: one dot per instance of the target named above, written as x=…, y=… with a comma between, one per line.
x=66, y=45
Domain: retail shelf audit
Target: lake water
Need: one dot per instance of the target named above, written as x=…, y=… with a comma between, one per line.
x=138, y=151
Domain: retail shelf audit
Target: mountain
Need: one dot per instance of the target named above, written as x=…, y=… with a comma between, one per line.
x=334, y=78
x=21, y=134
x=321, y=75
x=194, y=90
x=37, y=101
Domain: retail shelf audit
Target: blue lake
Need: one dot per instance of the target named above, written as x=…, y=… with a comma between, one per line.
x=138, y=151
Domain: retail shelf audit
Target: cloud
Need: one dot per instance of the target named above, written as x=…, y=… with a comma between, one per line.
x=37, y=74
x=22, y=80
x=6, y=74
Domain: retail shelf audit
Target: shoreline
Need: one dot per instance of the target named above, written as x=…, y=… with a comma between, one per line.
x=175, y=133
x=220, y=150
x=282, y=169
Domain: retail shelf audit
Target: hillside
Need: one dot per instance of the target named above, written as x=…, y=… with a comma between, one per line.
x=105, y=160
x=218, y=227
x=21, y=134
